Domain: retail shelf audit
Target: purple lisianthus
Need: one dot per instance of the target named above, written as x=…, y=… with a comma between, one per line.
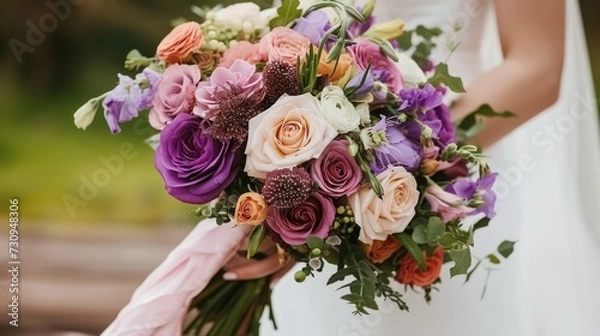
x=313, y=217
x=313, y=26
x=129, y=97
x=361, y=88
x=482, y=189
x=438, y=119
x=195, y=167
x=365, y=53
x=336, y=171
x=420, y=100
x=358, y=28
x=397, y=151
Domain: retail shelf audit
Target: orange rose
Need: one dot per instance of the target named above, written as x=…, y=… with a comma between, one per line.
x=380, y=250
x=409, y=272
x=327, y=68
x=251, y=209
x=180, y=43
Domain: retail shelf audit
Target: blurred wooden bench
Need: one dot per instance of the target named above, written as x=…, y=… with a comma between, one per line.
x=78, y=279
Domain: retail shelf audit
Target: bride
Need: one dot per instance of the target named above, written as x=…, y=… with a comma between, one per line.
x=511, y=55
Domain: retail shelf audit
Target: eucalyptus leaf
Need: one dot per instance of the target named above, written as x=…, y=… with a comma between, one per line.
x=314, y=242
x=419, y=234
x=435, y=229
x=428, y=33
x=493, y=259
x=257, y=236
x=482, y=223
x=506, y=248
x=443, y=76
x=286, y=13
x=462, y=262
x=405, y=40
x=483, y=111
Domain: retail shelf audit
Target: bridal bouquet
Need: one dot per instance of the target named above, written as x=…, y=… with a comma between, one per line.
x=326, y=132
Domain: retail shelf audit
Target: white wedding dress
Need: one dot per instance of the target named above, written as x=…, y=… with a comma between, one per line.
x=548, y=200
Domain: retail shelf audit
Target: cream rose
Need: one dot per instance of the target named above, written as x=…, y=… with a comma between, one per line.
x=412, y=75
x=379, y=218
x=284, y=44
x=289, y=133
x=338, y=110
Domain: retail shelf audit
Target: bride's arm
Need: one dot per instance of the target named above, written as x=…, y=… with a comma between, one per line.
x=528, y=81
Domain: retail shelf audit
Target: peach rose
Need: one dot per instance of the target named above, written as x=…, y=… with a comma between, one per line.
x=380, y=250
x=284, y=44
x=180, y=43
x=379, y=218
x=289, y=133
x=409, y=273
x=327, y=68
x=251, y=209
x=243, y=50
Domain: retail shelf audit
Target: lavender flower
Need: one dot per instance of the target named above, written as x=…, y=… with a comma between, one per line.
x=129, y=97
x=478, y=190
x=420, y=100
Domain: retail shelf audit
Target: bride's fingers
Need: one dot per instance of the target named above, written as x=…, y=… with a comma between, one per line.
x=238, y=261
x=266, y=245
x=256, y=269
x=280, y=273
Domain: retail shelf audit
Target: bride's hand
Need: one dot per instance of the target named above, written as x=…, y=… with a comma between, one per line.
x=242, y=268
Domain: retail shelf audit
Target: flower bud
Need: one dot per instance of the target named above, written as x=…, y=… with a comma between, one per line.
x=85, y=114
x=429, y=166
x=299, y=276
x=316, y=252
x=386, y=31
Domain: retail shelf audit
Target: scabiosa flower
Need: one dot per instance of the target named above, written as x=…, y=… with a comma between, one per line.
x=420, y=100
x=279, y=78
x=288, y=187
x=129, y=97
x=233, y=110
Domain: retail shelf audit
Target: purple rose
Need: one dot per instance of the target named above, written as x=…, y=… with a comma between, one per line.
x=397, y=151
x=336, y=171
x=313, y=217
x=481, y=189
x=195, y=167
x=313, y=26
x=175, y=94
x=365, y=52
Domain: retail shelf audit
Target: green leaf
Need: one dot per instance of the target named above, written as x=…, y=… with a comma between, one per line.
x=447, y=240
x=493, y=259
x=506, y=248
x=484, y=222
x=286, y=13
x=413, y=248
x=435, y=229
x=442, y=76
x=471, y=120
x=419, y=234
x=462, y=262
x=257, y=236
x=428, y=33
x=341, y=274
x=314, y=242
x=405, y=40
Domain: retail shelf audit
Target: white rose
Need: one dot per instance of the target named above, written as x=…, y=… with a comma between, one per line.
x=412, y=74
x=379, y=218
x=235, y=15
x=338, y=110
x=289, y=133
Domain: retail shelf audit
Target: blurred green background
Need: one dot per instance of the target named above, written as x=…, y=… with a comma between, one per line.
x=45, y=160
